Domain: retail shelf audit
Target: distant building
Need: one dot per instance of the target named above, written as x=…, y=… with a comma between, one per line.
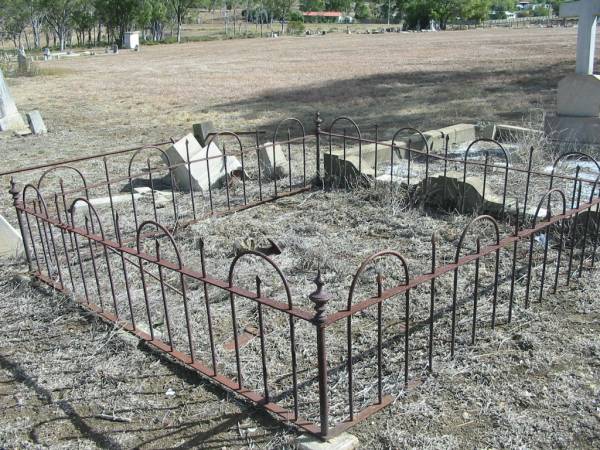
x=524, y=4
x=327, y=16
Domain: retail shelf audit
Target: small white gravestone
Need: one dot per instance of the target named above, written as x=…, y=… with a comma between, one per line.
x=10, y=119
x=273, y=162
x=131, y=40
x=11, y=244
x=578, y=100
x=205, y=162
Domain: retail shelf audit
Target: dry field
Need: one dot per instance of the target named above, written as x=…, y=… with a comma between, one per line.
x=530, y=384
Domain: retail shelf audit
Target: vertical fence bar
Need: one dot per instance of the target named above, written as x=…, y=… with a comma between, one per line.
x=163, y=294
x=585, y=233
x=376, y=152
x=263, y=350
x=190, y=178
x=289, y=148
x=432, y=301
x=208, y=311
x=260, y=196
x=445, y=169
x=379, y=280
x=109, y=188
x=318, y=122
x=125, y=275
x=513, y=267
x=475, y=293
x=64, y=242
x=574, y=226
x=93, y=258
x=152, y=190
x=527, y=181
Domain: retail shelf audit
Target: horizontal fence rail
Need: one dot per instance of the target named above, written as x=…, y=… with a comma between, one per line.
x=125, y=264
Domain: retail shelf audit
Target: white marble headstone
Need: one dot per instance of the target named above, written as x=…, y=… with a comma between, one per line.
x=10, y=119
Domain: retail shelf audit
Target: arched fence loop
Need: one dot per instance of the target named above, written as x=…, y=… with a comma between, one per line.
x=476, y=256
x=252, y=254
x=545, y=237
x=296, y=123
x=379, y=297
x=345, y=138
x=63, y=194
x=230, y=164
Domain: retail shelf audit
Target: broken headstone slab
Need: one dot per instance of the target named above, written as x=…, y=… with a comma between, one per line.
x=36, y=123
x=202, y=131
x=268, y=249
x=207, y=165
x=11, y=244
x=273, y=162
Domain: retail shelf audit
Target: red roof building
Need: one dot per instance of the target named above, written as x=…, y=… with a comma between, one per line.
x=322, y=14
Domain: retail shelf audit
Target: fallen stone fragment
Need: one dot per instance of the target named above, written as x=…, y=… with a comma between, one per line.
x=36, y=123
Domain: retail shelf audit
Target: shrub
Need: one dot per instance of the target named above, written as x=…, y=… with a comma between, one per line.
x=295, y=16
x=295, y=27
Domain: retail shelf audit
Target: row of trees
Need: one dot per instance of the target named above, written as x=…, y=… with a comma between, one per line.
x=86, y=19
x=415, y=12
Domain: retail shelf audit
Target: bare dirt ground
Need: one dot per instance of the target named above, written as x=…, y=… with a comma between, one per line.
x=530, y=384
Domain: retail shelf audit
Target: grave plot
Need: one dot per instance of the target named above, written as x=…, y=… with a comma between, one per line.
x=320, y=292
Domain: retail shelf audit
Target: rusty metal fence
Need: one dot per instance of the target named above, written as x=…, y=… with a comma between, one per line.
x=134, y=275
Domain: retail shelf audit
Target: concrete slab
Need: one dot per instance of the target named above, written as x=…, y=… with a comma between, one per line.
x=511, y=133
x=344, y=441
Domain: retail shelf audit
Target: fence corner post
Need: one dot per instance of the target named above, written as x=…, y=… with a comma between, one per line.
x=16, y=193
x=320, y=298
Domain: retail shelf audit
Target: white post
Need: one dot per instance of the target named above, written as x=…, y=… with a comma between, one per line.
x=587, y=11
x=586, y=45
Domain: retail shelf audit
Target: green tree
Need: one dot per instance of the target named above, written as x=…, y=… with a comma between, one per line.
x=362, y=10
x=278, y=9
x=180, y=9
x=59, y=15
x=312, y=5
x=152, y=15
x=118, y=16
x=338, y=5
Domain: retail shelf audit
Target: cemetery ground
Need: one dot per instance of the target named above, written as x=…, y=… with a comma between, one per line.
x=63, y=374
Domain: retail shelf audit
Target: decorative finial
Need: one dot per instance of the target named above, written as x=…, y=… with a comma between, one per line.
x=320, y=298
x=14, y=191
x=318, y=120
